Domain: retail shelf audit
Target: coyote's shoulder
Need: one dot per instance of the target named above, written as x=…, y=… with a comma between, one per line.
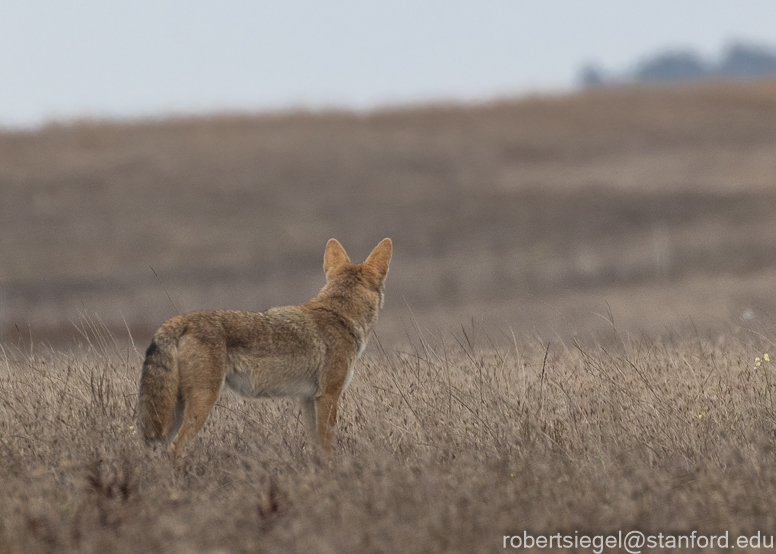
x=305, y=351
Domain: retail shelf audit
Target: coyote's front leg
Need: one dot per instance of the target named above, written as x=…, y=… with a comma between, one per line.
x=308, y=413
x=326, y=412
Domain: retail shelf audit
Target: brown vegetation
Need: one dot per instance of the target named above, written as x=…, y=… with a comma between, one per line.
x=574, y=222
x=537, y=213
x=444, y=446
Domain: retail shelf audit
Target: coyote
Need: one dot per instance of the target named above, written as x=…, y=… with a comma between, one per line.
x=306, y=351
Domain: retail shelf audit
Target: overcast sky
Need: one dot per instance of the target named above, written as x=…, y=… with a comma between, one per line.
x=74, y=58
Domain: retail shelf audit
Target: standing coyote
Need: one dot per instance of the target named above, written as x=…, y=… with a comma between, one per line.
x=307, y=351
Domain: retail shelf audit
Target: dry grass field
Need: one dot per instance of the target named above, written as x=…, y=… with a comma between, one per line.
x=443, y=446
x=539, y=214
x=574, y=337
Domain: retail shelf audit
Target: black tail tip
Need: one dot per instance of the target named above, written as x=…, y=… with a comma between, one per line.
x=151, y=349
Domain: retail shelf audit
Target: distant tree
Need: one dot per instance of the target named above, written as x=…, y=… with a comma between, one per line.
x=591, y=76
x=671, y=67
x=741, y=62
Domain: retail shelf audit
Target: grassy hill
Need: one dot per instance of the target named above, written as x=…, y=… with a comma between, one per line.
x=540, y=213
x=510, y=393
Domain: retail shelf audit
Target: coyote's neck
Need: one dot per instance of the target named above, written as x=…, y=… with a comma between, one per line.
x=358, y=323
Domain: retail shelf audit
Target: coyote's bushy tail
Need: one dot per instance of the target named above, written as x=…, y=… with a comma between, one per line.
x=159, y=403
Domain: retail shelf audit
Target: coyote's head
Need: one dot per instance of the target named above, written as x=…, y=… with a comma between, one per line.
x=358, y=284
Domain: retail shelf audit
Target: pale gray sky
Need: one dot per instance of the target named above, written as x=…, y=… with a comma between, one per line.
x=67, y=59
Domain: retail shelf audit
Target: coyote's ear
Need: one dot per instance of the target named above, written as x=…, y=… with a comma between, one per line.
x=334, y=256
x=379, y=259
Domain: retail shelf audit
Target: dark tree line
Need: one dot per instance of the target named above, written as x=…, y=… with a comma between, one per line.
x=739, y=61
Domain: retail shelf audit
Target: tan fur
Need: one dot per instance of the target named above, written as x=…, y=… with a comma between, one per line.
x=304, y=351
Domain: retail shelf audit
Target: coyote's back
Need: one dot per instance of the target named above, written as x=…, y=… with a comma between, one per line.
x=304, y=351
